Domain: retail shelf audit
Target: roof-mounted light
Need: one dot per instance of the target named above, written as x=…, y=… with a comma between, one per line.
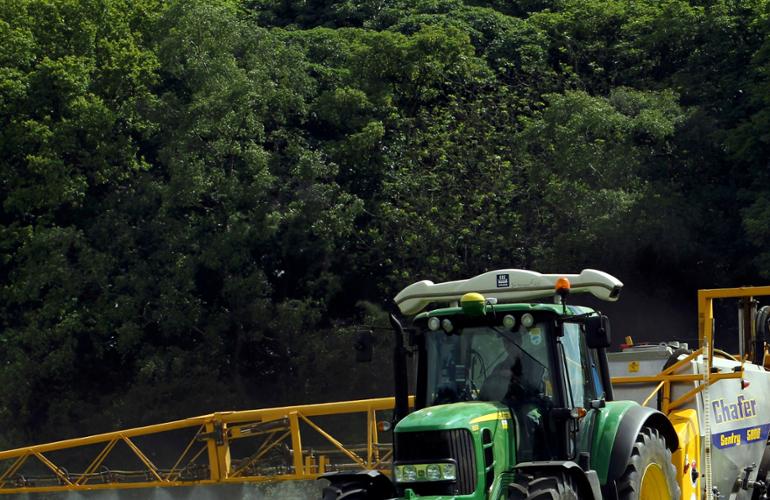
x=562, y=287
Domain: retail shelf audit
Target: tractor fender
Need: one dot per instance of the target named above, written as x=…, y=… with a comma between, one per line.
x=377, y=485
x=587, y=481
x=630, y=425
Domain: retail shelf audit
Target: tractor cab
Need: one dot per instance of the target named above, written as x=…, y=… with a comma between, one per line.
x=491, y=345
x=526, y=357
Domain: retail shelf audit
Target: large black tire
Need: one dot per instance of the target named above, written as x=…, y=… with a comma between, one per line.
x=345, y=491
x=649, y=456
x=361, y=485
x=560, y=486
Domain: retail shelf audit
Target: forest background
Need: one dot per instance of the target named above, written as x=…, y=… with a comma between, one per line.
x=200, y=200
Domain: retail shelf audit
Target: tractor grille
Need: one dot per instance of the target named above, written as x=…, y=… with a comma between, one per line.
x=425, y=447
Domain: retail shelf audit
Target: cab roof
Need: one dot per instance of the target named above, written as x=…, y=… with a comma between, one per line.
x=511, y=285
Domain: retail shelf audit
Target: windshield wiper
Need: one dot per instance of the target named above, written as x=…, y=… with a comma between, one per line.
x=505, y=335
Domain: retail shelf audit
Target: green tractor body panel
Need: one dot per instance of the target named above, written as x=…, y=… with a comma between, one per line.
x=451, y=416
x=502, y=308
x=479, y=418
x=605, y=429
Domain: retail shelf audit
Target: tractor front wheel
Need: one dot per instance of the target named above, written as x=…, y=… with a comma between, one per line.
x=560, y=486
x=345, y=491
x=650, y=473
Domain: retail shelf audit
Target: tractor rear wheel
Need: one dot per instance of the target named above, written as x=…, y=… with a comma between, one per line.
x=559, y=486
x=650, y=473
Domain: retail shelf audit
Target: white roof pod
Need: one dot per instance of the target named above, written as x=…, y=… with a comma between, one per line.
x=507, y=285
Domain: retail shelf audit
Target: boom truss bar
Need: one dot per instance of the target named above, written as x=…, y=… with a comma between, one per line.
x=275, y=434
x=97, y=462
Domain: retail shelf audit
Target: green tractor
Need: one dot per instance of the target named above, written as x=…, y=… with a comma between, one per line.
x=513, y=399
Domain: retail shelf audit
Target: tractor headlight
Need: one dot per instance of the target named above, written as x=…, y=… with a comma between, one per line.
x=409, y=474
x=415, y=473
x=433, y=472
x=449, y=472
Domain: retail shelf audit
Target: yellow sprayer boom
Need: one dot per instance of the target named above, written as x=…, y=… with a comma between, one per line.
x=272, y=444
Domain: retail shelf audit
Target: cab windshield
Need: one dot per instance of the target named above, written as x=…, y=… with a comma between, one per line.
x=493, y=363
x=489, y=363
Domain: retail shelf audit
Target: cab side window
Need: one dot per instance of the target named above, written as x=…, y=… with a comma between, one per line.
x=578, y=365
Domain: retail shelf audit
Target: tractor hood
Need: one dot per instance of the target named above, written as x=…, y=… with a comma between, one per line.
x=466, y=415
x=477, y=436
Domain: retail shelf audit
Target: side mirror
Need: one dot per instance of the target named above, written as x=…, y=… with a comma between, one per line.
x=598, y=332
x=763, y=323
x=400, y=376
x=763, y=335
x=363, y=346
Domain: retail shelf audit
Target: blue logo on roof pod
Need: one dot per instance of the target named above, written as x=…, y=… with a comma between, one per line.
x=503, y=281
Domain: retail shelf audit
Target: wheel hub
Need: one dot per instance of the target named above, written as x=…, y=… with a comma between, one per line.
x=653, y=484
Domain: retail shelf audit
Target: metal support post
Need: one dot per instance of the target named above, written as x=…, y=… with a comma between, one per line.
x=296, y=444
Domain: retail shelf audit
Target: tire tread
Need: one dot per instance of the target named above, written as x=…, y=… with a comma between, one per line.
x=650, y=447
x=560, y=486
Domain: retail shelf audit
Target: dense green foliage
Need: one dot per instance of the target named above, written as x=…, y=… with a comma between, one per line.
x=199, y=200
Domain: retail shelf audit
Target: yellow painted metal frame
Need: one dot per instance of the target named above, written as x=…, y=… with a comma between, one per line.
x=706, y=309
x=687, y=427
x=213, y=435
x=705, y=340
